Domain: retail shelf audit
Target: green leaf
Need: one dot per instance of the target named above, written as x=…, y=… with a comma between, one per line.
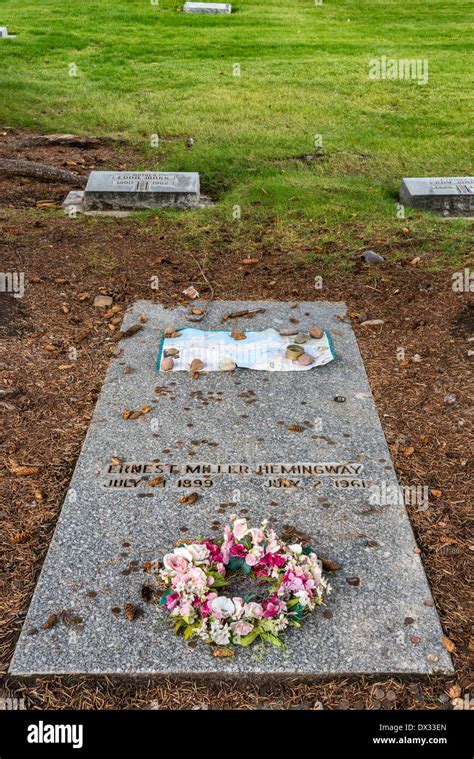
x=298, y=611
x=235, y=562
x=293, y=602
x=272, y=639
x=246, y=569
x=248, y=639
x=307, y=550
x=250, y=597
x=189, y=632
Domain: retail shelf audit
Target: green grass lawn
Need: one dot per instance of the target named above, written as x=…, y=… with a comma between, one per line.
x=146, y=69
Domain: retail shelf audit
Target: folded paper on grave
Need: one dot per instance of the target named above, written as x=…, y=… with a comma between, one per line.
x=263, y=350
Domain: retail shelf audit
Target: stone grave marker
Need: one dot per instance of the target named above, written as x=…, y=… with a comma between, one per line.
x=4, y=33
x=138, y=190
x=450, y=196
x=225, y=436
x=207, y=8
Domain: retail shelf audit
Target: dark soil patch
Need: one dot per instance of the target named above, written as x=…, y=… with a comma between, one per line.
x=14, y=318
x=464, y=321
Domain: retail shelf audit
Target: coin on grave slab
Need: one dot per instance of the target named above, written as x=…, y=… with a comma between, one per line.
x=293, y=352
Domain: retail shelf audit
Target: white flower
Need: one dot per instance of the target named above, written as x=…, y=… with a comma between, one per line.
x=220, y=634
x=222, y=606
x=303, y=597
x=279, y=624
x=296, y=548
x=202, y=631
x=183, y=551
x=199, y=552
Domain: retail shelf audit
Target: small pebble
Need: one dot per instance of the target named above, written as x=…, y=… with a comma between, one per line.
x=227, y=366
x=316, y=332
x=340, y=399
x=371, y=257
x=300, y=338
x=167, y=364
x=450, y=399
x=103, y=301
x=288, y=331
x=305, y=360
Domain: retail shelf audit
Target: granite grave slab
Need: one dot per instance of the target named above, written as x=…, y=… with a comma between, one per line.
x=225, y=436
x=139, y=190
x=207, y=8
x=450, y=196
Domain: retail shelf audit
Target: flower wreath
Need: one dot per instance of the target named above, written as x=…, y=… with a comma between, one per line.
x=195, y=572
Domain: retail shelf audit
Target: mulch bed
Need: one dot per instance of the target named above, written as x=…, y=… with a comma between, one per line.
x=47, y=399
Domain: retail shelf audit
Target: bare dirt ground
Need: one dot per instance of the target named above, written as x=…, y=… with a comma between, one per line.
x=47, y=399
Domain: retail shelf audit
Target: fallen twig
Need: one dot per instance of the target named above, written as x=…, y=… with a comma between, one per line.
x=16, y=168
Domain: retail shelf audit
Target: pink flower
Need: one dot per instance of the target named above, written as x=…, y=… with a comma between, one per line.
x=214, y=552
x=297, y=579
x=228, y=538
x=254, y=556
x=205, y=609
x=185, y=609
x=239, y=550
x=316, y=571
x=257, y=535
x=272, y=607
x=197, y=578
x=253, y=610
x=241, y=628
x=239, y=606
x=172, y=601
x=273, y=559
x=176, y=563
x=261, y=570
x=225, y=550
x=179, y=579
x=240, y=528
